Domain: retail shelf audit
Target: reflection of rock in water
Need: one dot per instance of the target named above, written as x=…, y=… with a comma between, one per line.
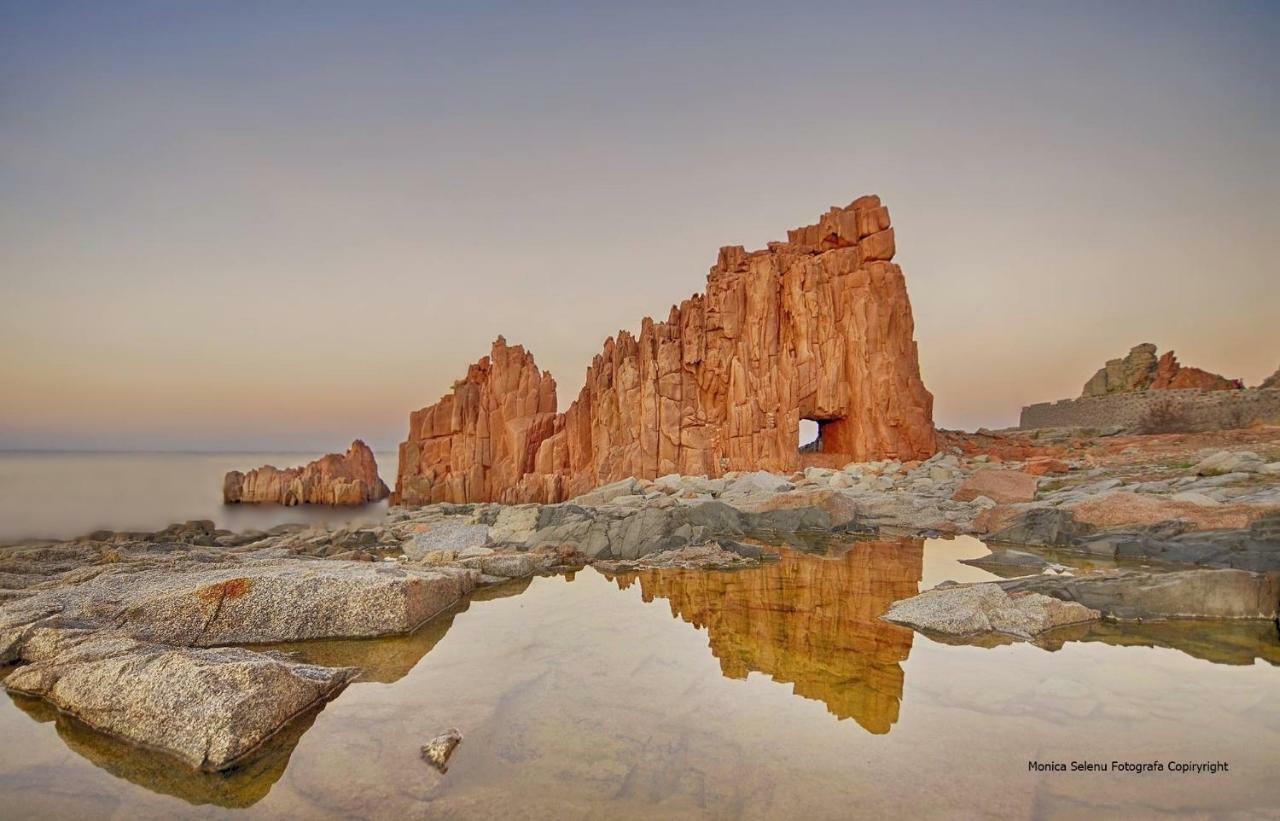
x=237, y=788
x=390, y=659
x=1219, y=641
x=807, y=620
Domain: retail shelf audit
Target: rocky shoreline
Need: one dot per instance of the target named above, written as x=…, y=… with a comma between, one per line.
x=150, y=636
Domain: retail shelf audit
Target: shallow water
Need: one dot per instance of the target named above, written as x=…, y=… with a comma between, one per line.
x=764, y=693
x=51, y=494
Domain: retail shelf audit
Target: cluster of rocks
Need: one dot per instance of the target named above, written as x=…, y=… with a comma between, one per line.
x=128, y=635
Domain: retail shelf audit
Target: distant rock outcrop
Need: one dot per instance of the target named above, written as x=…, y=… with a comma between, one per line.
x=349, y=478
x=818, y=327
x=1272, y=381
x=1140, y=370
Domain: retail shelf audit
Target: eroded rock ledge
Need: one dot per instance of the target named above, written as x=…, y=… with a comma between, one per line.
x=349, y=478
x=818, y=327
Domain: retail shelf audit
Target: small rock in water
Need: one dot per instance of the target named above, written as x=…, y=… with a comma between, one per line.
x=436, y=752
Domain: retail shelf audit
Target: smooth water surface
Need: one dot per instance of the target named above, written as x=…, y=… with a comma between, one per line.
x=54, y=494
x=767, y=693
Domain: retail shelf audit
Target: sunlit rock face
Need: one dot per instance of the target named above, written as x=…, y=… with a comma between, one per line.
x=349, y=478
x=807, y=620
x=818, y=327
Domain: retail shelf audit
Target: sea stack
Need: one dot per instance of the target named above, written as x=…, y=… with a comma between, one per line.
x=818, y=327
x=349, y=478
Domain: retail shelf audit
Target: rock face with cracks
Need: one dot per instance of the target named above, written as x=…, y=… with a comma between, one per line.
x=349, y=478
x=818, y=327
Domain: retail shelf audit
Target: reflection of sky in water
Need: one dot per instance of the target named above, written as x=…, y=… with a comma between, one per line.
x=763, y=693
x=63, y=495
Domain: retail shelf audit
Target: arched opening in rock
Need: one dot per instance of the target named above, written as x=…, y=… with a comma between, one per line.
x=810, y=436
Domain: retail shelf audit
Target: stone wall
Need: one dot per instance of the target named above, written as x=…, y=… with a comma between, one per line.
x=1206, y=410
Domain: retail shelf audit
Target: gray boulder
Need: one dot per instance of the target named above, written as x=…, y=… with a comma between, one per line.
x=208, y=707
x=1048, y=526
x=972, y=609
x=1226, y=461
x=514, y=524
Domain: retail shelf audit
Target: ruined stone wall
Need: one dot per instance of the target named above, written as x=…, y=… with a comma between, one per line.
x=1206, y=410
x=818, y=327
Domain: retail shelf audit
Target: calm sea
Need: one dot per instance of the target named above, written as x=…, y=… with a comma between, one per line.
x=58, y=494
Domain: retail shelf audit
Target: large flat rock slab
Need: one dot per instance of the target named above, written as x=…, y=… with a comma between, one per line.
x=207, y=707
x=254, y=602
x=1184, y=594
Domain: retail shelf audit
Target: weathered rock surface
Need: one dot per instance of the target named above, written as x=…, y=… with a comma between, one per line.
x=253, y=602
x=349, y=478
x=1226, y=461
x=818, y=327
x=208, y=707
x=446, y=536
x=1140, y=370
x=1184, y=594
x=1122, y=508
x=963, y=610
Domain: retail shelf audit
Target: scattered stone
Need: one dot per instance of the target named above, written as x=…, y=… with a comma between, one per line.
x=437, y=751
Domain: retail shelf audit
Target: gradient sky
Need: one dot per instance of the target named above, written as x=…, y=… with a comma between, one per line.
x=283, y=225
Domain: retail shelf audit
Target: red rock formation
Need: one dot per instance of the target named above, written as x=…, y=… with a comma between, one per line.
x=1170, y=375
x=818, y=327
x=349, y=478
